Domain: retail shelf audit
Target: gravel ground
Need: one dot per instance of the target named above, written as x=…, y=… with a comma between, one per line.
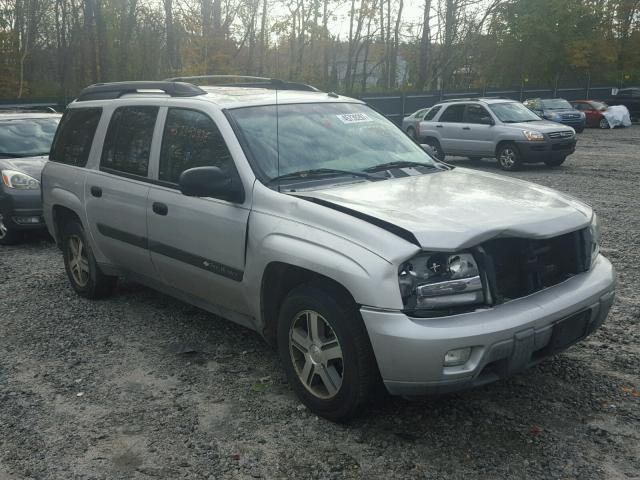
x=142, y=386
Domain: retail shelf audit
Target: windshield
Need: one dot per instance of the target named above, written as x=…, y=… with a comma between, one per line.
x=27, y=137
x=556, y=104
x=311, y=136
x=513, y=112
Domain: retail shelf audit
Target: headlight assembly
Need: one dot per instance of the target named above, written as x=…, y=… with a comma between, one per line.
x=533, y=136
x=19, y=180
x=431, y=281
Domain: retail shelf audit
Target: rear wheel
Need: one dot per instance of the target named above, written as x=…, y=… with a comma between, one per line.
x=436, y=149
x=603, y=123
x=7, y=235
x=85, y=276
x=326, y=352
x=509, y=157
x=555, y=162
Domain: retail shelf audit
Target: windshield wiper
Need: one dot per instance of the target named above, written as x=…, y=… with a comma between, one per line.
x=398, y=164
x=321, y=172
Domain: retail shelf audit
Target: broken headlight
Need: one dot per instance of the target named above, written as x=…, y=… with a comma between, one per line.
x=431, y=281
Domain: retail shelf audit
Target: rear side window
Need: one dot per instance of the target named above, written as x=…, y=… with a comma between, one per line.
x=453, y=113
x=128, y=141
x=191, y=139
x=432, y=113
x=73, y=140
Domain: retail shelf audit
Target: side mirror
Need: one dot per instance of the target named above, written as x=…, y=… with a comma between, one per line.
x=211, y=182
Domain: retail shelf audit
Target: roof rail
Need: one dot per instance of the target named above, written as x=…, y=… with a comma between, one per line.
x=473, y=99
x=106, y=91
x=246, y=82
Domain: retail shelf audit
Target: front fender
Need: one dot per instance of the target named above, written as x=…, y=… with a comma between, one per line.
x=369, y=278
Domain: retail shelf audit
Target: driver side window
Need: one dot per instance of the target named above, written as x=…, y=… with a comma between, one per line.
x=191, y=139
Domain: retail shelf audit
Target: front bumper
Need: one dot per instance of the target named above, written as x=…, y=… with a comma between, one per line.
x=541, y=151
x=505, y=339
x=21, y=208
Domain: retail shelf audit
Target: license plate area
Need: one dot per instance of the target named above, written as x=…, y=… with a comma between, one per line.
x=568, y=331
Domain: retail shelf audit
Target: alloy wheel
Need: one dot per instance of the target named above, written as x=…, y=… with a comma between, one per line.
x=604, y=123
x=507, y=157
x=78, y=260
x=3, y=228
x=316, y=354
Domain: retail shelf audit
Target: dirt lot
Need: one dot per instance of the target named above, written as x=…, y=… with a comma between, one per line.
x=142, y=386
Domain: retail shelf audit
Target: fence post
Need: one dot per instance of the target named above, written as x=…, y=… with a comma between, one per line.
x=402, y=97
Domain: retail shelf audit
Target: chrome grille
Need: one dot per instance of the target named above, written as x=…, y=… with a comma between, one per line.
x=561, y=134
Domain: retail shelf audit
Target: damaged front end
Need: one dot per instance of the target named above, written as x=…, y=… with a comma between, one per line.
x=496, y=271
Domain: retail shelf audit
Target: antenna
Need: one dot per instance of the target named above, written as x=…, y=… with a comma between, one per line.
x=278, y=136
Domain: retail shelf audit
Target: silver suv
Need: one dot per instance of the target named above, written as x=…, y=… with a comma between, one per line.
x=313, y=220
x=500, y=128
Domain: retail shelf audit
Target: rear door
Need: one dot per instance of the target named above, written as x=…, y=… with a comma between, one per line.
x=197, y=244
x=116, y=194
x=450, y=126
x=477, y=132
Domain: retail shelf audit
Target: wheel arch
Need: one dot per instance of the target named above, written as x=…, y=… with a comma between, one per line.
x=278, y=279
x=61, y=214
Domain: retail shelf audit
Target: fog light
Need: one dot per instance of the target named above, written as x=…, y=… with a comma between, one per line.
x=459, y=356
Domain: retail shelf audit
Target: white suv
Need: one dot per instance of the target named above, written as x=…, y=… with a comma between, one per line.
x=315, y=221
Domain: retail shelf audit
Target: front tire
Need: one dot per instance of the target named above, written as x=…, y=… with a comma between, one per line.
x=579, y=129
x=85, y=276
x=7, y=235
x=326, y=352
x=509, y=157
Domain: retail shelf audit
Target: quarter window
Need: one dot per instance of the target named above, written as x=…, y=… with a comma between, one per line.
x=191, y=139
x=72, y=143
x=128, y=141
x=453, y=113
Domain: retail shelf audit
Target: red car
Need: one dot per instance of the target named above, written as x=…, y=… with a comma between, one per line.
x=593, y=111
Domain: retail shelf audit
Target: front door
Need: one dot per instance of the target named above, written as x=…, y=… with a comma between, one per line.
x=116, y=194
x=197, y=244
x=478, y=131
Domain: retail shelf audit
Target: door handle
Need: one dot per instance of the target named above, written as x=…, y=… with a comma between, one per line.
x=96, y=192
x=160, y=208
x=438, y=126
x=466, y=128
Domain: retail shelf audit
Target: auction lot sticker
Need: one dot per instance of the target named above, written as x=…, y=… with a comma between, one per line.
x=354, y=118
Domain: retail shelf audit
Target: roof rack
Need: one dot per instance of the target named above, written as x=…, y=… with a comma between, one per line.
x=106, y=91
x=473, y=99
x=246, y=82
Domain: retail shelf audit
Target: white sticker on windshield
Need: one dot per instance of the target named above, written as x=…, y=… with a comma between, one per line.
x=354, y=118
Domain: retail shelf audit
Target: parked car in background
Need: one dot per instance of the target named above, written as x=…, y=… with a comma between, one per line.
x=411, y=124
x=557, y=110
x=630, y=98
x=335, y=236
x=25, y=140
x=500, y=128
x=592, y=110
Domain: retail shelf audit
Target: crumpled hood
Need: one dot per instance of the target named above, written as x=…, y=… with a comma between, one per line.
x=460, y=208
x=32, y=166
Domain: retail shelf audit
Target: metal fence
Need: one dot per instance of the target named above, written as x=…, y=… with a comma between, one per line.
x=395, y=106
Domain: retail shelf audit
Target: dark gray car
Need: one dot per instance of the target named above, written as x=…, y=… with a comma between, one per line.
x=25, y=139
